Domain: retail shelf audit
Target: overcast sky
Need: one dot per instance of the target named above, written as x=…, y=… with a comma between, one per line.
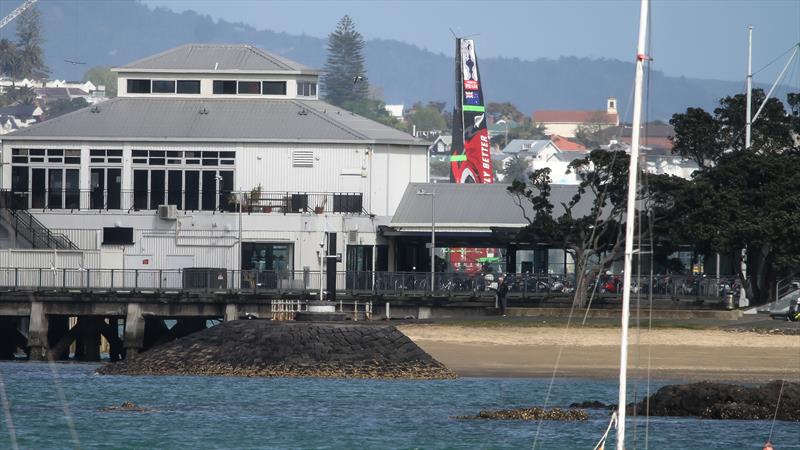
x=694, y=38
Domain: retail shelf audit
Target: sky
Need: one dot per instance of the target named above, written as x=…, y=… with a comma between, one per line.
x=692, y=38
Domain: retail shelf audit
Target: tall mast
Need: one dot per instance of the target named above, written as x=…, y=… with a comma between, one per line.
x=749, y=118
x=629, y=219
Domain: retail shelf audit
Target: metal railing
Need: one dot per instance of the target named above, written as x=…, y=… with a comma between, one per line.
x=39, y=236
x=283, y=202
x=307, y=283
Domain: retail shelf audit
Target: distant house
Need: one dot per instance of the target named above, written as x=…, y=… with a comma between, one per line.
x=24, y=114
x=566, y=123
x=441, y=146
x=656, y=136
x=395, y=111
x=51, y=94
x=565, y=145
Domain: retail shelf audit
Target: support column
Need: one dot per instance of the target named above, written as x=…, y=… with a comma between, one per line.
x=134, y=330
x=37, y=333
x=231, y=312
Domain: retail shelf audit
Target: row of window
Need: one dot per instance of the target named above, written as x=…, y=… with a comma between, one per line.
x=220, y=87
x=170, y=157
x=39, y=155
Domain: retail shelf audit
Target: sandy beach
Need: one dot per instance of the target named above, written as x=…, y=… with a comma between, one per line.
x=673, y=353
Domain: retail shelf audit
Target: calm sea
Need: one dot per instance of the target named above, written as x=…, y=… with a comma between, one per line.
x=250, y=413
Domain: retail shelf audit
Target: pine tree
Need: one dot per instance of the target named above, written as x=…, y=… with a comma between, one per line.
x=30, y=57
x=8, y=58
x=344, y=78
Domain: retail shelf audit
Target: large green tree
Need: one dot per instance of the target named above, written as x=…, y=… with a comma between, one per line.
x=102, y=75
x=428, y=117
x=344, y=78
x=8, y=58
x=30, y=57
x=741, y=198
x=589, y=226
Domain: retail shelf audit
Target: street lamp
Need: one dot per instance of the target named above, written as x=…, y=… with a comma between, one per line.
x=505, y=139
x=433, y=232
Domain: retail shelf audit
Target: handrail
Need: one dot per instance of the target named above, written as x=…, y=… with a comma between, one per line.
x=33, y=231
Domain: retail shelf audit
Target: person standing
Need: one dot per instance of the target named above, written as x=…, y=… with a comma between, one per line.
x=502, y=290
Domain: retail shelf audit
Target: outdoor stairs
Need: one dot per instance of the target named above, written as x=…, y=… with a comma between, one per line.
x=27, y=227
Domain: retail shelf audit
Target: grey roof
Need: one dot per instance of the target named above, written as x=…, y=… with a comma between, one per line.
x=474, y=205
x=570, y=155
x=530, y=145
x=228, y=120
x=216, y=58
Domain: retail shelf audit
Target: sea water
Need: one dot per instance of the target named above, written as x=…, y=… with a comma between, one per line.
x=251, y=413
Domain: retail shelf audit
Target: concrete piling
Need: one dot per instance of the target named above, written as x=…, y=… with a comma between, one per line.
x=37, y=333
x=133, y=341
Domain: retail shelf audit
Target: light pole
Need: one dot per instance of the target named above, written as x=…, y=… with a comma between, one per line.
x=432, y=194
x=505, y=138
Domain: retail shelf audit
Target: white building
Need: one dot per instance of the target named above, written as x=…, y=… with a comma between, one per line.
x=255, y=167
x=566, y=123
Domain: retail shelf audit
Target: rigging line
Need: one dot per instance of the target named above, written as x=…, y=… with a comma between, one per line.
x=780, y=392
x=12, y=433
x=553, y=376
x=646, y=182
x=776, y=59
x=63, y=398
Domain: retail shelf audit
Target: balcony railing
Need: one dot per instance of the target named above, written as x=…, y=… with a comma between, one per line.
x=283, y=202
x=407, y=284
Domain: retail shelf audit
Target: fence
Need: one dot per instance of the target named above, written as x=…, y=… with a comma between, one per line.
x=410, y=284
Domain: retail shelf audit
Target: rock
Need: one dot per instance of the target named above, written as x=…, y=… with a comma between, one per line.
x=288, y=349
x=592, y=404
x=726, y=401
x=534, y=413
x=125, y=406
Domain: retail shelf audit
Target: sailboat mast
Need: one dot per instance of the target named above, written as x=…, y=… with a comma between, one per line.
x=629, y=219
x=748, y=119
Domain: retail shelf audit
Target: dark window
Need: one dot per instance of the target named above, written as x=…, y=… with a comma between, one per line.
x=97, y=153
x=38, y=188
x=273, y=88
x=224, y=87
x=139, y=153
x=139, y=189
x=188, y=86
x=156, y=188
x=19, y=186
x=114, y=152
x=249, y=87
x=209, y=191
x=117, y=236
x=55, y=189
x=227, y=201
x=98, y=185
x=72, y=190
x=138, y=86
x=37, y=152
x=19, y=159
x=164, y=86
x=192, y=190
x=347, y=203
x=174, y=194
x=114, y=197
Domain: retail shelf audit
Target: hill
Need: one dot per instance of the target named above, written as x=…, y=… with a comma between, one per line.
x=114, y=33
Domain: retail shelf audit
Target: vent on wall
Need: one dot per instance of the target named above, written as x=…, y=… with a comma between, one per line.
x=352, y=237
x=302, y=158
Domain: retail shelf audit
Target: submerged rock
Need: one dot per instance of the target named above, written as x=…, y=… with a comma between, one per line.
x=592, y=404
x=261, y=348
x=125, y=407
x=534, y=413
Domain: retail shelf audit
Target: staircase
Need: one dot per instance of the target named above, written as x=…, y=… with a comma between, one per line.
x=27, y=227
x=786, y=292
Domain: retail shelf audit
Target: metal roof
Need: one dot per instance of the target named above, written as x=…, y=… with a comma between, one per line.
x=216, y=58
x=470, y=206
x=209, y=119
x=534, y=146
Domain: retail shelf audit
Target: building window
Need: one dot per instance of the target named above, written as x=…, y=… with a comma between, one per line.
x=267, y=265
x=188, y=87
x=164, y=86
x=273, y=88
x=206, y=190
x=225, y=87
x=138, y=86
x=117, y=236
x=347, y=203
x=106, y=188
x=306, y=89
x=249, y=87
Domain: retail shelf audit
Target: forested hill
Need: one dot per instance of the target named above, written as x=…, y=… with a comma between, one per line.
x=120, y=31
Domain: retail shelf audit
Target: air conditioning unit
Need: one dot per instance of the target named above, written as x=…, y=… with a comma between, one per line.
x=168, y=212
x=352, y=237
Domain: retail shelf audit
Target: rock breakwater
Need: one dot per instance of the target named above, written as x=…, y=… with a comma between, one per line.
x=288, y=349
x=535, y=413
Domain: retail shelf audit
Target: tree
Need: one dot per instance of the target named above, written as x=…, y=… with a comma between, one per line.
x=428, y=118
x=740, y=198
x=594, y=236
x=30, y=57
x=517, y=168
x=63, y=106
x=344, y=78
x=18, y=95
x=8, y=58
x=505, y=111
x=595, y=132
x=102, y=75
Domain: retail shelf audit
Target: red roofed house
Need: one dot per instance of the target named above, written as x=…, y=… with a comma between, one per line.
x=565, y=145
x=565, y=123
